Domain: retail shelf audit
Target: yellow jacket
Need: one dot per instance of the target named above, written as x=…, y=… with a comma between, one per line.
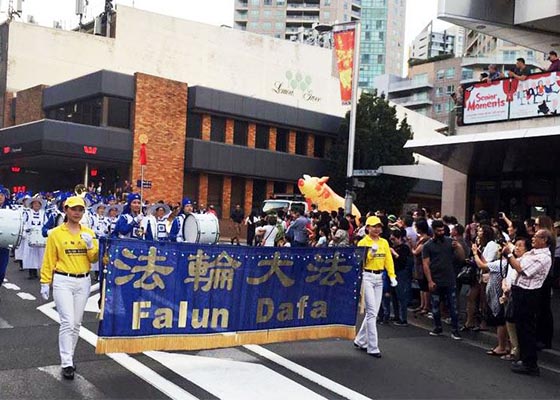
x=67, y=253
x=382, y=258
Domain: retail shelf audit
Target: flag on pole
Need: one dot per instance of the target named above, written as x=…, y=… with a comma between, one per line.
x=143, y=155
x=344, y=50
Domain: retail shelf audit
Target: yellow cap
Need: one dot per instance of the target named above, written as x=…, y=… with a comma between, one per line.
x=373, y=220
x=75, y=201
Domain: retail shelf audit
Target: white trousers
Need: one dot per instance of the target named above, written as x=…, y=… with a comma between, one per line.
x=373, y=292
x=70, y=296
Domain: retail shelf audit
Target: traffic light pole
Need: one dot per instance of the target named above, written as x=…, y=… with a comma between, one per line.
x=352, y=128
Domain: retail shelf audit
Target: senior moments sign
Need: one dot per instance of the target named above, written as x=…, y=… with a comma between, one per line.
x=500, y=100
x=177, y=296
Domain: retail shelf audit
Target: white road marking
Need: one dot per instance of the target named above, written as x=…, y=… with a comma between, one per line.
x=91, y=305
x=307, y=373
x=4, y=324
x=237, y=380
x=80, y=384
x=136, y=367
x=11, y=286
x=26, y=296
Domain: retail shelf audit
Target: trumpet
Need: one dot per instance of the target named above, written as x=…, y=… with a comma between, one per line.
x=80, y=190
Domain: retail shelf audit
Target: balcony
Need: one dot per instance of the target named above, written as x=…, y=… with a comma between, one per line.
x=415, y=101
x=241, y=16
x=241, y=5
x=299, y=6
x=498, y=60
x=357, y=3
x=302, y=18
x=410, y=85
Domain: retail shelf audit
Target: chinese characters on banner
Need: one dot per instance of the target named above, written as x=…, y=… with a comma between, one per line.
x=538, y=95
x=177, y=296
x=344, y=50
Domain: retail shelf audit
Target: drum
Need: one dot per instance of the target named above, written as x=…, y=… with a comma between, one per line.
x=11, y=228
x=201, y=228
x=36, y=238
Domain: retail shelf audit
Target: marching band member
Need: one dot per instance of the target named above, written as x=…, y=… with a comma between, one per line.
x=70, y=251
x=100, y=227
x=112, y=213
x=155, y=224
x=35, y=248
x=19, y=251
x=56, y=216
x=129, y=223
x=176, y=232
x=4, y=253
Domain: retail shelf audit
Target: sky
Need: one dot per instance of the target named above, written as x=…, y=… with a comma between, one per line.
x=216, y=12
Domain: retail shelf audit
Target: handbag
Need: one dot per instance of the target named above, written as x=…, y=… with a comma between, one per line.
x=467, y=275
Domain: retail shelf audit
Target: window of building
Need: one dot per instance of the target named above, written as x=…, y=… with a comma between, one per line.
x=267, y=2
x=326, y=15
x=439, y=91
x=279, y=25
x=215, y=192
x=218, y=129
x=191, y=183
x=240, y=133
x=380, y=59
x=86, y=112
x=450, y=73
x=509, y=55
x=282, y=140
x=267, y=14
x=440, y=74
x=194, y=125
x=254, y=13
x=280, y=187
x=365, y=59
x=262, y=135
x=119, y=113
x=319, y=147
x=450, y=89
x=256, y=2
x=237, y=192
x=267, y=26
x=259, y=192
x=327, y=2
x=280, y=2
x=438, y=108
x=301, y=143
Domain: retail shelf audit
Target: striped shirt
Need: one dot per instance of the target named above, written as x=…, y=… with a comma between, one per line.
x=535, y=265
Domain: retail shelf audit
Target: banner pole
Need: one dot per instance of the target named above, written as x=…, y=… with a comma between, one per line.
x=352, y=127
x=141, y=187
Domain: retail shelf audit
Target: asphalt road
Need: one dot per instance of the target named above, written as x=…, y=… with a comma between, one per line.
x=414, y=365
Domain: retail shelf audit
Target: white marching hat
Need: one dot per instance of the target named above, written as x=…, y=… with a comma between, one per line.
x=27, y=202
x=96, y=206
x=118, y=207
x=152, y=210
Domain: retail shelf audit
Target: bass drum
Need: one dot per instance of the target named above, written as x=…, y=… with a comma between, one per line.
x=36, y=238
x=201, y=229
x=11, y=228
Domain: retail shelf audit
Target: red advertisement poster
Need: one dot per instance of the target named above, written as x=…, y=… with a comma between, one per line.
x=344, y=50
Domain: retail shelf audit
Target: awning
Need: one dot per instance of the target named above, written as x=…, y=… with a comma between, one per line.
x=493, y=153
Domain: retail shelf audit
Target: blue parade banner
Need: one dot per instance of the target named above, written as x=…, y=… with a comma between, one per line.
x=178, y=296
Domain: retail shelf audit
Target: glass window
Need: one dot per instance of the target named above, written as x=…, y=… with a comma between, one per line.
x=194, y=125
x=301, y=143
x=280, y=2
x=319, y=147
x=282, y=140
x=326, y=15
x=255, y=2
x=440, y=74
x=267, y=13
x=119, y=113
x=86, y=112
x=279, y=26
x=439, y=91
x=218, y=129
x=327, y=2
x=267, y=26
x=438, y=108
x=254, y=13
x=450, y=89
x=240, y=133
x=262, y=134
x=450, y=73
x=267, y=2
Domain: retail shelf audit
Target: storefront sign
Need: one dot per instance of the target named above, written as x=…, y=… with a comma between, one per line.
x=486, y=102
x=296, y=84
x=178, y=296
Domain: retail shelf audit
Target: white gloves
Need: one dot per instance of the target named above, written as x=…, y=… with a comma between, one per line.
x=86, y=237
x=45, y=291
x=393, y=282
x=138, y=218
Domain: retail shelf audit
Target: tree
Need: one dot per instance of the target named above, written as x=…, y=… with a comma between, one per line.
x=379, y=141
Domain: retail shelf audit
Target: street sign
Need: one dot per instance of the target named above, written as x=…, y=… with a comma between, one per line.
x=146, y=185
x=365, y=172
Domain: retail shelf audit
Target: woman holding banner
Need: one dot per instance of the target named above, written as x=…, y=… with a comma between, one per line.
x=69, y=253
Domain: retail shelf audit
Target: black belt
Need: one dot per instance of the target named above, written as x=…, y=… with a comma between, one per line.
x=73, y=275
x=371, y=271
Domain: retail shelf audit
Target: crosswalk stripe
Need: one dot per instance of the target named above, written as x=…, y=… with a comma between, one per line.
x=11, y=286
x=81, y=385
x=4, y=324
x=26, y=296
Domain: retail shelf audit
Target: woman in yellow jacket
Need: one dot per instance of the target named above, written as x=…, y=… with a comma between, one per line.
x=69, y=252
x=378, y=259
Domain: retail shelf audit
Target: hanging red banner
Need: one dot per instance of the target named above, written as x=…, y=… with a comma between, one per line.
x=143, y=155
x=344, y=50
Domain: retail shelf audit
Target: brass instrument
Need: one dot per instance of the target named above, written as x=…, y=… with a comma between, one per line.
x=80, y=190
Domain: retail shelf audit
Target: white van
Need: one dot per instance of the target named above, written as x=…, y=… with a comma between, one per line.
x=284, y=203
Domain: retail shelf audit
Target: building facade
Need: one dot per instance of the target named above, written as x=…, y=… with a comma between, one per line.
x=215, y=134
x=431, y=43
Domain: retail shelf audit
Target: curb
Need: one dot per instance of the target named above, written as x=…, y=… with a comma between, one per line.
x=483, y=339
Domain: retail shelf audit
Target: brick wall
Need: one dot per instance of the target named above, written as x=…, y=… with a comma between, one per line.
x=226, y=197
x=7, y=112
x=248, y=196
x=229, y=131
x=290, y=188
x=203, y=190
x=310, y=145
x=160, y=112
x=269, y=189
x=272, y=139
x=292, y=142
x=29, y=105
x=206, y=127
x=251, y=135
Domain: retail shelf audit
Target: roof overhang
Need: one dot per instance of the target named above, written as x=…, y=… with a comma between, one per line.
x=532, y=150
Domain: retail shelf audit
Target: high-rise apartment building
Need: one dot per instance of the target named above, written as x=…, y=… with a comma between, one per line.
x=383, y=26
x=432, y=43
x=382, y=41
x=284, y=19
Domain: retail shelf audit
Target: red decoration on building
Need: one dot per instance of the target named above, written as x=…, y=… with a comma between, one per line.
x=90, y=150
x=19, y=189
x=6, y=149
x=143, y=154
x=93, y=172
x=16, y=169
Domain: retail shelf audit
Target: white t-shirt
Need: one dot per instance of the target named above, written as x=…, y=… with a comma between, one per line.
x=269, y=234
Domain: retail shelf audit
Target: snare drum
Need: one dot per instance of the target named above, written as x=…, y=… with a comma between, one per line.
x=36, y=238
x=201, y=228
x=11, y=228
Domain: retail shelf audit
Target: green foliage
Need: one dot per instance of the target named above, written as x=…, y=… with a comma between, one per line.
x=379, y=141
